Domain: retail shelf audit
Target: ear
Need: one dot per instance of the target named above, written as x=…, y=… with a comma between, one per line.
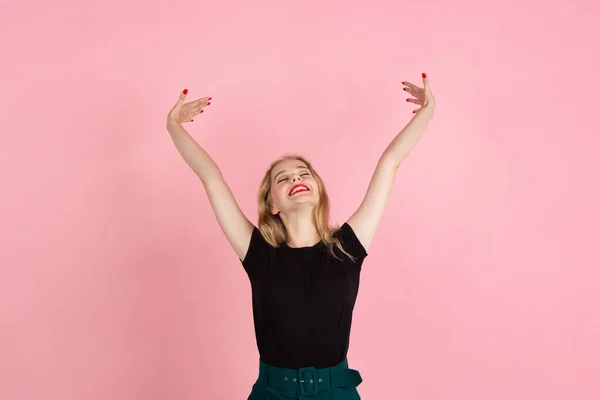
x=274, y=210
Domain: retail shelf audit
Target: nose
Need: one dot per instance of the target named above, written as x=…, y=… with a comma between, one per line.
x=296, y=178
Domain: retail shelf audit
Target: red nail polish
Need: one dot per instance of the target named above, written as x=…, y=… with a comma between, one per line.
x=424, y=75
x=208, y=104
x=403, y=83
x=201, y=111
x=192, y=120
x=184, y=91
x=404, y=89
x=210, y=98
x=406, y=99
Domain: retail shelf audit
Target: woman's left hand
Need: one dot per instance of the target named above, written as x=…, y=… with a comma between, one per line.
x=423, y=96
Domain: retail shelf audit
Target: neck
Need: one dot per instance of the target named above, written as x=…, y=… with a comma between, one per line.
x=301, y=230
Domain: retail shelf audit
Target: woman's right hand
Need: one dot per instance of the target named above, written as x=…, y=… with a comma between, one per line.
x=185, y=112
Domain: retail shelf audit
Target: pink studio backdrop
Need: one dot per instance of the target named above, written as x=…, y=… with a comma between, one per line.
x=117, y=283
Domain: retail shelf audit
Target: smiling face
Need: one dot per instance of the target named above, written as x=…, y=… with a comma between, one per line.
x=293, y=186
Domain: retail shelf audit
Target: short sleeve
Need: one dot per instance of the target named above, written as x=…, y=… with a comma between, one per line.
x=351, y=243
x=257, y=255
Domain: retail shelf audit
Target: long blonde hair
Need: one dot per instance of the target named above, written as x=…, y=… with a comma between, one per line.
x=271, y=226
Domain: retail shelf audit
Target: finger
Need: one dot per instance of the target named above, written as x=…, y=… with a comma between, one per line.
x=427, y=88
x=410, y=86
x=414, y=93
x=190, y=117
x=203, y=100
x=182, y=97
x=198, y=107
x=192, y=113
x=414, y=90
x=416, y=101
x=426, y=84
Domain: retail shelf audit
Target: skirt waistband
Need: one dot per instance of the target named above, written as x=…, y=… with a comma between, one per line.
x=309, y=380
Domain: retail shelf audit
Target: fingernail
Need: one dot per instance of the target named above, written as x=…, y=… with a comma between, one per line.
x=406, y=99
x=208, y=104
x=184, y=91
x=210, y=98
x=192, y=120
x=403, y=88
x=403, y=82
x=424, y=75
x=201, y=111
x=414, y=112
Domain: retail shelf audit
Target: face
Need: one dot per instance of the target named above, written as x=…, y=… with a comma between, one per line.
x=285, y=194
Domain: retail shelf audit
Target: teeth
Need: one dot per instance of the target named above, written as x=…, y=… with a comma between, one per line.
x=297, y=189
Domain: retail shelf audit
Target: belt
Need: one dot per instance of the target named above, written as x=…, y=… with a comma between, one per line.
x=309, y=380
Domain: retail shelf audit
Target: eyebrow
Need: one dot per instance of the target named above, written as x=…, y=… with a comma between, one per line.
x=281, y=172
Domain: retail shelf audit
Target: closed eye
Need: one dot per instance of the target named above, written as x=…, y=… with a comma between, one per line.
x=285, y=179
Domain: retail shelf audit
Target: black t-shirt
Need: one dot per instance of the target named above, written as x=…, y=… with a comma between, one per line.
x=303, y=299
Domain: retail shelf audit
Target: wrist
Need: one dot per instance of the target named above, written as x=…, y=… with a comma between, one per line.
x=172, y=123
x=427, y=110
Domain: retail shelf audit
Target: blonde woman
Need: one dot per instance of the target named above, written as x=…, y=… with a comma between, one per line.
x=304, y=274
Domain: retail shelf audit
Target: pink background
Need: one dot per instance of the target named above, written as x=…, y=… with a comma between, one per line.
x=117, y=283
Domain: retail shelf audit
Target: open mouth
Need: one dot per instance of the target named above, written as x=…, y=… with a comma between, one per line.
x=298, y=189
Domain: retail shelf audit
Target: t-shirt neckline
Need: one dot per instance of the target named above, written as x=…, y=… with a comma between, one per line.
x=314, y=246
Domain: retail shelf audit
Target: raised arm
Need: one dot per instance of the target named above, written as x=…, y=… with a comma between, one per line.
x=366, y=219
x=234, y=224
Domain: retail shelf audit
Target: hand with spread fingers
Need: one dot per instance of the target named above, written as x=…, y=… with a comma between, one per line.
x=423, y=96
x=185, y=112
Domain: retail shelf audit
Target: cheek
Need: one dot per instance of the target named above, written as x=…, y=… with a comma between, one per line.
x=278, y=193
x=315, y=186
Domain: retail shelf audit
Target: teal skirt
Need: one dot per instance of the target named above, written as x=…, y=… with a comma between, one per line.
x=334, y=383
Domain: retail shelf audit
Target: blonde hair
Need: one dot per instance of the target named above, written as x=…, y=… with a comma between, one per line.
x=271, y=226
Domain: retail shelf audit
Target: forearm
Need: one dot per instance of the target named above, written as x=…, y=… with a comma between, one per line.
x=193, y=154
x=408, y=137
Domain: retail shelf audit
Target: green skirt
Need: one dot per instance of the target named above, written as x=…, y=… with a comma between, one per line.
x=334, y=383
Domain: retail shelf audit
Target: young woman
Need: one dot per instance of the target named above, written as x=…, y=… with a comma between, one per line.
x=304, y=274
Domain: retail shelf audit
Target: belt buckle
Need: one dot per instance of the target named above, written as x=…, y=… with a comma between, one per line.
x=307, y=380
